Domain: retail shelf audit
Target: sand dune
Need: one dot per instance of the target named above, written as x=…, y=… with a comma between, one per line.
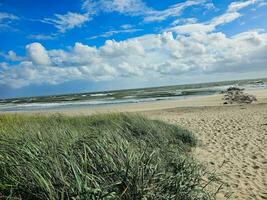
x=233, y=138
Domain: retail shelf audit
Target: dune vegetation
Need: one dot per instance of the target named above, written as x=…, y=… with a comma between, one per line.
x=112, y=156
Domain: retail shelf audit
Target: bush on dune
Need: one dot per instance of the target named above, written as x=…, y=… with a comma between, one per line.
x=115, y=156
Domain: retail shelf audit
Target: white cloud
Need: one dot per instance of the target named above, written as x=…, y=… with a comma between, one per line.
x=173, y=11
x=210, y=6
x=67, y=21
x=126, y=48
x=114, y=32
x=153, y=56
x=127, y=26
x=230, y=15
x=139, y=8
x=236, y=6
x=6, y=19
x=37, y=54
x=184, y=21
x=64, y=22
x=191, y=28
x=3, y=66
x=27, y=73
x=129, y=7
x=12, y=56
x=42, y=37
x=7, y=16
x=133, y=7
x=225, y=18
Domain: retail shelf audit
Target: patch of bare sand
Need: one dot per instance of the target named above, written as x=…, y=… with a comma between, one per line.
x=233, y=141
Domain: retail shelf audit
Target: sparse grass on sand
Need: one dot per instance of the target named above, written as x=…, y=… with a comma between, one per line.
x=114, y=156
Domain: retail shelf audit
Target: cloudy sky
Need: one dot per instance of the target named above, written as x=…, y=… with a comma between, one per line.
x=65, y=46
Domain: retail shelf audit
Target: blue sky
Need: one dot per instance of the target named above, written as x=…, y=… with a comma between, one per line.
x=54, y=47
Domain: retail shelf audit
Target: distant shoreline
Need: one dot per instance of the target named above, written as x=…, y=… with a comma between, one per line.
x=117, y=99
x=204, y=101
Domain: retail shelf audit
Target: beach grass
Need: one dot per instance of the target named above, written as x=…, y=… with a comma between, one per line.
x=108, y=156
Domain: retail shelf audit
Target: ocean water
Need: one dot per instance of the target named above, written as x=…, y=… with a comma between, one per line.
x=89, y=100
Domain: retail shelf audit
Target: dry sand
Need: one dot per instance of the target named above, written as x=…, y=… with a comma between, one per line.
x=233, y=138
x=233, y=141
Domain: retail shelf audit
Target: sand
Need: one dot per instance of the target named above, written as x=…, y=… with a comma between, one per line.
x=232, y=142
x=232, y=138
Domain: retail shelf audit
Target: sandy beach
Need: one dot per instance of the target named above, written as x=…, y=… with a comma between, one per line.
x=232, y=138
x=233, y=143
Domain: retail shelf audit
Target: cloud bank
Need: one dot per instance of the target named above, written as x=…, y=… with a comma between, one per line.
x=154, y=56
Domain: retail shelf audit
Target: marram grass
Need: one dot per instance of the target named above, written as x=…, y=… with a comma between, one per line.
x=114, y=156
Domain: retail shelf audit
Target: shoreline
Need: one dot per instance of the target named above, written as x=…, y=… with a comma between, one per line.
x=193, y=102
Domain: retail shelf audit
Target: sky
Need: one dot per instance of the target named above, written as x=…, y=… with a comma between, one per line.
x=70, y=46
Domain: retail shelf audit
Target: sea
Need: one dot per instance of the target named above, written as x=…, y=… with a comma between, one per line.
x=105, y=98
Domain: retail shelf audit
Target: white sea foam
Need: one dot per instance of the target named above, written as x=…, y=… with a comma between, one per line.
x=58, y=105
x=100, y=94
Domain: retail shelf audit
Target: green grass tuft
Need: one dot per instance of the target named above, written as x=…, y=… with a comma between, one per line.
x=114, y=156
